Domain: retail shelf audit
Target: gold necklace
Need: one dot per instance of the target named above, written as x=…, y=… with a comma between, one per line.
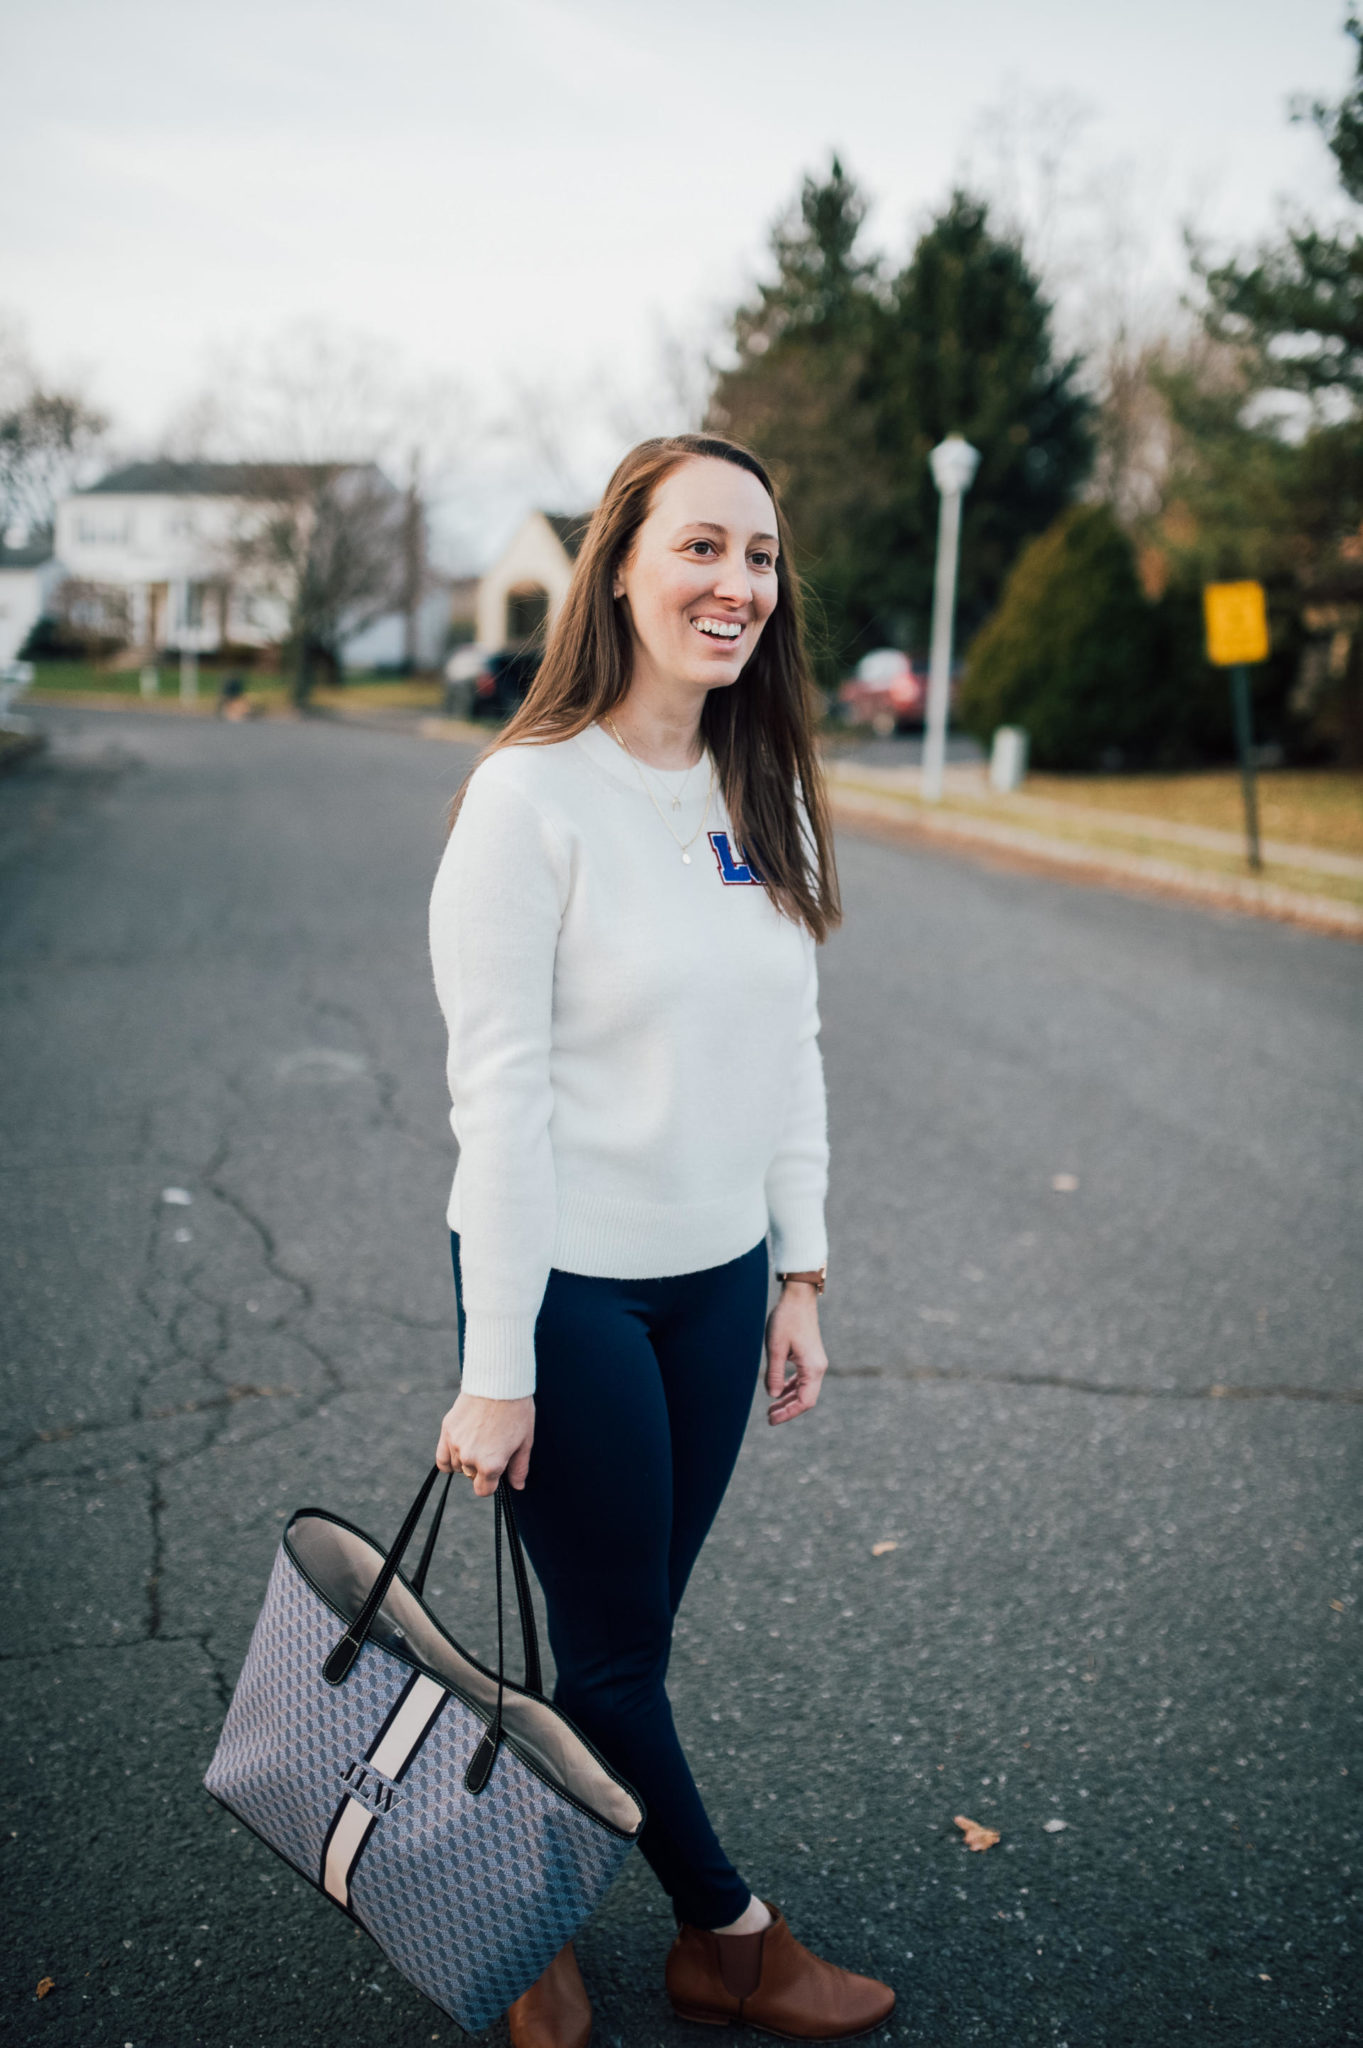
x=682, y=844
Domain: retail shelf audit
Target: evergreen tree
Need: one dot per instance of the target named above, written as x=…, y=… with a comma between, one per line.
x=1069, y=652
x=1307, y=292
x=793, y=393
x=846, y=381
x=1287, y=509
x=820, y=291
x=962, y=344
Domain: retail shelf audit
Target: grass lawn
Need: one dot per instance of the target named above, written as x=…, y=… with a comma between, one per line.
x=1306, y=807
x=1310, y=820
x=383, y=693
x=57, y=679
x=60, y=678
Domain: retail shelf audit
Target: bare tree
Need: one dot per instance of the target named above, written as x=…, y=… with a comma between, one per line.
x=558, y=438
x=325, y=539
x=1085, y=225
x=47, y=437
x=320, y=418
x=414, y=565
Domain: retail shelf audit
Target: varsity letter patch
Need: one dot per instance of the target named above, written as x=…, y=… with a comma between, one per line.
x=735, y=869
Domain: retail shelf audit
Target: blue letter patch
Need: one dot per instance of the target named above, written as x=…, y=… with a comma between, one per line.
x=735, y=869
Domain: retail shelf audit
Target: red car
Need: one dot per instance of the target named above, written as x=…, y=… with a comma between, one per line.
x=886, y=692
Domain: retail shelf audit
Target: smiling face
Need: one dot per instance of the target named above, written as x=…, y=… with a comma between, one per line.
x=700, y=580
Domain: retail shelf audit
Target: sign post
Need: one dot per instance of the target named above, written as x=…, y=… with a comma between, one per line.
x=1237, y=634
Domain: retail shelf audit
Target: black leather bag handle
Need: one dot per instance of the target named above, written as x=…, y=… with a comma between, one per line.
x=529, y=1639
x=338, y=1665
x=418, y=1579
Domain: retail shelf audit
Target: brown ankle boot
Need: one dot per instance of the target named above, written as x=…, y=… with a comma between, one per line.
x=556, y=2011
x=768, y=1980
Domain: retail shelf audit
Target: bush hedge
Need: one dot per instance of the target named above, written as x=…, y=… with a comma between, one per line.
x=1098, y=676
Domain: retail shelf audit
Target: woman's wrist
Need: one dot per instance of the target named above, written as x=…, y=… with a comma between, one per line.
x=813, y=1280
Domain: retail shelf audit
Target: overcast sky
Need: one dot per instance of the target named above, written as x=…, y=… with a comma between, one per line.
x=529, y=191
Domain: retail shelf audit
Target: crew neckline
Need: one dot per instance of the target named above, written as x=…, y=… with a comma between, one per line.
x=612, y=755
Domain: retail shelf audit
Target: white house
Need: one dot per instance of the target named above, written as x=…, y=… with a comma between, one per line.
x=526, y=585
x=28, y=576
x=164, y=534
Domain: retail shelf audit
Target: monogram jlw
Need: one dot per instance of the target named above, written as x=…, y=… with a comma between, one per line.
x=367, y=1785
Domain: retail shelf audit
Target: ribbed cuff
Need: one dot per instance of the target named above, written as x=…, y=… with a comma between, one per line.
x=799, y=1241
x=499, y=1357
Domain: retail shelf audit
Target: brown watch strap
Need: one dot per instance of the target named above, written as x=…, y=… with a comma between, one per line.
x=817, y=1280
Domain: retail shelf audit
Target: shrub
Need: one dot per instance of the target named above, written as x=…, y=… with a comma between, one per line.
x=1077, y=656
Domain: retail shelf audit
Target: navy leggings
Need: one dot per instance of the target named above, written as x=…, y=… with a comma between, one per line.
x=643, y=1391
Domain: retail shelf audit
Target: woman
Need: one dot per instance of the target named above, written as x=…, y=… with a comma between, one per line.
x=623, y=932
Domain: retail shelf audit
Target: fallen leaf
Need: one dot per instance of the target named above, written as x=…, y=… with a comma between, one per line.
x=1338, y=1605
x=1064, y=1183
x=883, y=1549
x=1054, y=1827
x=976, y=1837
x=45, y=1984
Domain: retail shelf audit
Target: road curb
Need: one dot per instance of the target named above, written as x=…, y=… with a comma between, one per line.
x=1008, y=846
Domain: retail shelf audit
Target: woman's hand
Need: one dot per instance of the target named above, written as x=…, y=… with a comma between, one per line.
x=485, y=1438
x=793, y=1340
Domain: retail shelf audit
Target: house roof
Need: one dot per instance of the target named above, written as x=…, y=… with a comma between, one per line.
x=571, y=528
x=31, y=555
x=206, y=479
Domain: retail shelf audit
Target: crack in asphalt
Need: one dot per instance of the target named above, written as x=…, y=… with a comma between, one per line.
x=385, y=1083
x=156, y=1508
x=1065, y=1385
x=214, y=1182
x=201, y=1641
x=103, y=1426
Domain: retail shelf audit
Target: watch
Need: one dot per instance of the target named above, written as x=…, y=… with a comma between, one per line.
x=818, y=1280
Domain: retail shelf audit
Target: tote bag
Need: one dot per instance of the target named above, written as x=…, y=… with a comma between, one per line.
x=459, y=1818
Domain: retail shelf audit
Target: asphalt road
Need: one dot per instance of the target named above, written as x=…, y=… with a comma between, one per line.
x=1112, y=1427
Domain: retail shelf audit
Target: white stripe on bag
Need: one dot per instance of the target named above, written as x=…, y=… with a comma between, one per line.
x=421, y=1703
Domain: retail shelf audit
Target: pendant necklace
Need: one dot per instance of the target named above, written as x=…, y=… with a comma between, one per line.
x=683, y=845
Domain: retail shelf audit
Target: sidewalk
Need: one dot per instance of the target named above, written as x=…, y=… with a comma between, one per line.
x=1313, y=886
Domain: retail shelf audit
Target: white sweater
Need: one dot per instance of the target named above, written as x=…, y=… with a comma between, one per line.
x=634, y=1059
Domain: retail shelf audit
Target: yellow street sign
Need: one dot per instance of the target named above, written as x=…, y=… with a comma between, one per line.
x=1237, y=623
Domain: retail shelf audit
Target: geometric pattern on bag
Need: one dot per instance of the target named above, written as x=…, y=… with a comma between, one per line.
x=470, y=1893
x=288, y=1734
x=519, y=1911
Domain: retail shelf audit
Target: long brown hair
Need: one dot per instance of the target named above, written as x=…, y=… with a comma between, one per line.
x=760, y=729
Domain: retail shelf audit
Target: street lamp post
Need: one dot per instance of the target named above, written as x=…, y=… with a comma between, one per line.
x=954, y=463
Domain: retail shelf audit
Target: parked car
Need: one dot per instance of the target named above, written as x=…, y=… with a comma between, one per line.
x=886, y=692
x=483, y=684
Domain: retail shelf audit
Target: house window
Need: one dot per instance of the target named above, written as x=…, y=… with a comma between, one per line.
x=104, y=529
x=194, y=605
